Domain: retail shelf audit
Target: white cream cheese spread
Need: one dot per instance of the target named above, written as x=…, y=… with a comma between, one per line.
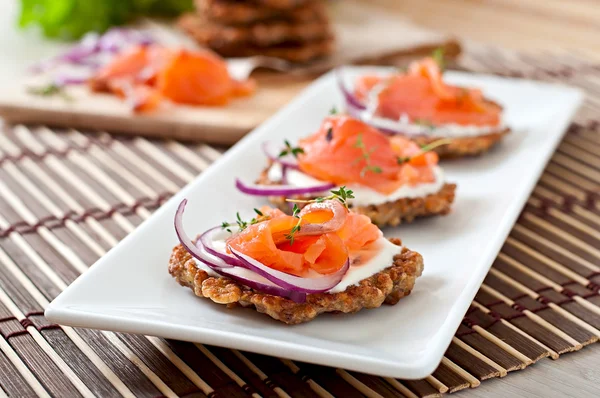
x=364, y=196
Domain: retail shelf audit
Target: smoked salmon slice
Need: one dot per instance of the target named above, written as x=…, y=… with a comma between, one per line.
x=268, y=242
x=144, y=75
x=423, y=96
x=346, y=150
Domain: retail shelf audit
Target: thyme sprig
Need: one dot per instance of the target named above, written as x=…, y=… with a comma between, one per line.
x=424, y=122
x=366, y=157
x=50, y=90
x=291, y=235
x=439, y=57
x=242, y=224
x=290, y=150
x=342, y=194
x=425, y=148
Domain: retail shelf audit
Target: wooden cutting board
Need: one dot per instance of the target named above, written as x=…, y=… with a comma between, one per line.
x=364, y=34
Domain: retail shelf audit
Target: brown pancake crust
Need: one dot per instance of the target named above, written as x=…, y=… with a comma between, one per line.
x=244, y=13
x=262, y=34
x=280, y=4
x=292, y=52
x=464, y=146
x=387, y=286
x=389, y=213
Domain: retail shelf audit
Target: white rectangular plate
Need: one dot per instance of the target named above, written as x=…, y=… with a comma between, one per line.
x=130, y=290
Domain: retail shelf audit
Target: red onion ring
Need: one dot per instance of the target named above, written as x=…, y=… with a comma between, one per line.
x=197, y=251
x=291, y=282
x=354, y=104
x=336, y=222
x=280, y=190
x=207, y=239
x=268, y=288
x=273, y=150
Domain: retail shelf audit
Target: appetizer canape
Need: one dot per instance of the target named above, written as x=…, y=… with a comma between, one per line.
x=323, y=258
x=419, y=104
x=392, y=178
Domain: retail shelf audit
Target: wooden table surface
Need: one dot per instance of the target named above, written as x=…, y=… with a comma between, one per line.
x=526, y=25
x=517, y=24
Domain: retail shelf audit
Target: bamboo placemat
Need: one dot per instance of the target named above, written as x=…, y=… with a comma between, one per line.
x=66, y=198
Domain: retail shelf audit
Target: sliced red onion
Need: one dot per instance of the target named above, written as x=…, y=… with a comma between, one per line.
x=335, y=223
x=354, y=104
x=284, y=175
x=272, y=150
x=197, y=251
x=93, y=44
x=207, y=241
x=68, y=81
x=280, y=190
x=264, y=286
x=256, y=282
x=291, y=282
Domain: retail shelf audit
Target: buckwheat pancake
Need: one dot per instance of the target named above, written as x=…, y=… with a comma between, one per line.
x=261, y=34
x=244, y=13
x=387, y=286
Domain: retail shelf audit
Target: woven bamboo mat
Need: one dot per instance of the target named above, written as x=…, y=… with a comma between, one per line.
x=66, y=198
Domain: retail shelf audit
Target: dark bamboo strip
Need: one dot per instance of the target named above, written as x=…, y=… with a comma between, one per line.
x=164, y=148
x=52, y=257
x=51, y=377
x=568, y=228
x=10, y=216
x=215, y=377
x=562, y=296
x=30, y=202
x=574, y=153
x=513, y=338
x=531, y=308
x=237, y=366
x=280, y=375
x=582, y=144
x=564, y=257
x=175, y=177
x=110, y=156
x=547, y=279
x=567, y=175
x=576, y=167
x=11, y=380
x=49, y=289
x=470, y=363
x=517, y=318
x=493, y=352
x=580, y=334
x=560, y=237
x=450, y=379
x=71, y=354
x=377, y=384
x=159, y=364
x=422, y=388
x=136, y=381
x=329, y=379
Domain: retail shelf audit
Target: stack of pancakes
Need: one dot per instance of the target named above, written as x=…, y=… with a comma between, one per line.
x=295, y=30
